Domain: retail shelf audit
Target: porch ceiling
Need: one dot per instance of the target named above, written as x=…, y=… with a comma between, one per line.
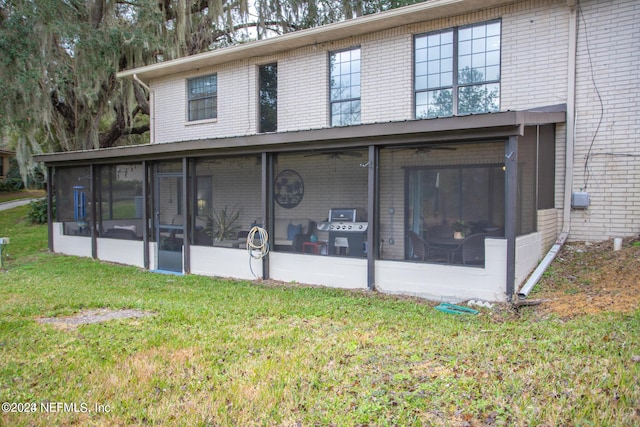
x=425, y=11
x=451, y=129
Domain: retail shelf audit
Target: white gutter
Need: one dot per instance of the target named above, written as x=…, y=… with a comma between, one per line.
x=569, y=152
x=152, y=112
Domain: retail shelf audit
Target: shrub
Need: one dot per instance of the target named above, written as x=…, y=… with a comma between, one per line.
x=38, y=211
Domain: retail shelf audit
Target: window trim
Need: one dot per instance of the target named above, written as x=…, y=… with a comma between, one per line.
x=331, y=102
x=189, y=120
x=455, y=85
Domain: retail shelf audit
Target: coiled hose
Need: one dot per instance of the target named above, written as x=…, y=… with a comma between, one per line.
x=257, y=250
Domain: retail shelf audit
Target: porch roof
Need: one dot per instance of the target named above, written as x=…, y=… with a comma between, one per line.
x=424, y=11
x=490, y=126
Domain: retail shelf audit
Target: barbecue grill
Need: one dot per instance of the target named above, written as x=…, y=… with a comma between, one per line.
x=348, y=232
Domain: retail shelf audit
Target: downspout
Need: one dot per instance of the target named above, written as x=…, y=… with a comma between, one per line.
x=569, y=152
x=152, y=115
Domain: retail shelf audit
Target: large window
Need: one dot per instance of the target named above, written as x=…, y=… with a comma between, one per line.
x=345, y=87
x=457, y=71
x=203, y=97
x=268, y=75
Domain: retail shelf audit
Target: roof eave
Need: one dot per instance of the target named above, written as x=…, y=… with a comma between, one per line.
x=425, y=11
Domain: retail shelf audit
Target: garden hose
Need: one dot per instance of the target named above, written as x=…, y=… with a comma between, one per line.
x=257, y=250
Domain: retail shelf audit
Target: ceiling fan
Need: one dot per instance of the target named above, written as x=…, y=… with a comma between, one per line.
x=335, y=154
x=421, y=150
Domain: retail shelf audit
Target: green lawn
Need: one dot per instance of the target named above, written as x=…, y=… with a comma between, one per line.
x=220, y=352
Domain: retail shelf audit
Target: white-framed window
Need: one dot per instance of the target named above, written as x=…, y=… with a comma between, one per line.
x=457, y=71
x=203, y=97
x=344, y=87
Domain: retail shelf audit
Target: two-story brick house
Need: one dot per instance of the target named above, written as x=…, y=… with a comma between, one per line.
x=361, y=147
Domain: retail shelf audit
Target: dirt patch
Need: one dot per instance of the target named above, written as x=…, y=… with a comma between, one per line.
x=590, y=278
x=93, y=316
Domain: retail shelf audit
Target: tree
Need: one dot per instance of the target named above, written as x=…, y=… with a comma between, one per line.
x=476, y=98
x=60, y=57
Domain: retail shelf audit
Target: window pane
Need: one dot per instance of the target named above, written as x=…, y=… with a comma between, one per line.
x=478, y=45
x=464, y=48
x=479, y=99
x=355, y=91
x=493, y=29
x=433, y=52
x=436, y=103
x=478, y=60
x=479, y=31
x=446, y=65
x=446, y=79
x=492, y=73
x=421, y=42
x=493, y=43
x=421, y=68
x=446, y=37
x=421, y=55
x=493, y=57
x=421, y=82
x=464, y=34
x=202, y=97
x=345, y=86
x=268, y=76
x=433, y=40
x=433, y=67
x=446, y=51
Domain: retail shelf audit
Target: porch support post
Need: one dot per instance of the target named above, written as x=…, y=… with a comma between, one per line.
x=511, y=204
x=50, y=218
x=94, y=206
x=145, y=214
x=372, y=214
x=267, y=203
x=187, y=215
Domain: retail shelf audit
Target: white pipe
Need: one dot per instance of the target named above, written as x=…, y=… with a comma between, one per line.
x=569, y=153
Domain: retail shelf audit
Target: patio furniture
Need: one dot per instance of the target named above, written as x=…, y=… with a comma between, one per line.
x=290, y=234
x=439, y=231
x=121, y=233
x=473, y=249
x=314, y=247
x=426, y=251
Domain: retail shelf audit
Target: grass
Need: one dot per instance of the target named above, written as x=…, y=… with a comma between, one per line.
x=220, y=352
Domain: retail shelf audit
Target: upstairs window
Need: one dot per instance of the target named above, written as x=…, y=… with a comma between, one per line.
x=344, y=85
x=268, y=76
x=203, y=97
x=457, y=71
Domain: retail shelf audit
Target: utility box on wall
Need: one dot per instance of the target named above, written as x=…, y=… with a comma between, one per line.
x=580, y=200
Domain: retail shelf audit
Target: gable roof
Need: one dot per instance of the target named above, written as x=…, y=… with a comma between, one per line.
x=425, y=11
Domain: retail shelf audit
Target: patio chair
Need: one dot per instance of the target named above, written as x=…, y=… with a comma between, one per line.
x=424, y=251
x=473, y=249
x=439, y=231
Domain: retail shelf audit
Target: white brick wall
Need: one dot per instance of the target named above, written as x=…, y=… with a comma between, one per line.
x=386, y=84
x=606, y=161
x=303, y=91
x=533, y=74
x=535, y=37
x=534, y=56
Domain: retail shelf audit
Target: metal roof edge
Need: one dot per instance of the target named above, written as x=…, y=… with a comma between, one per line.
x=504, y=123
